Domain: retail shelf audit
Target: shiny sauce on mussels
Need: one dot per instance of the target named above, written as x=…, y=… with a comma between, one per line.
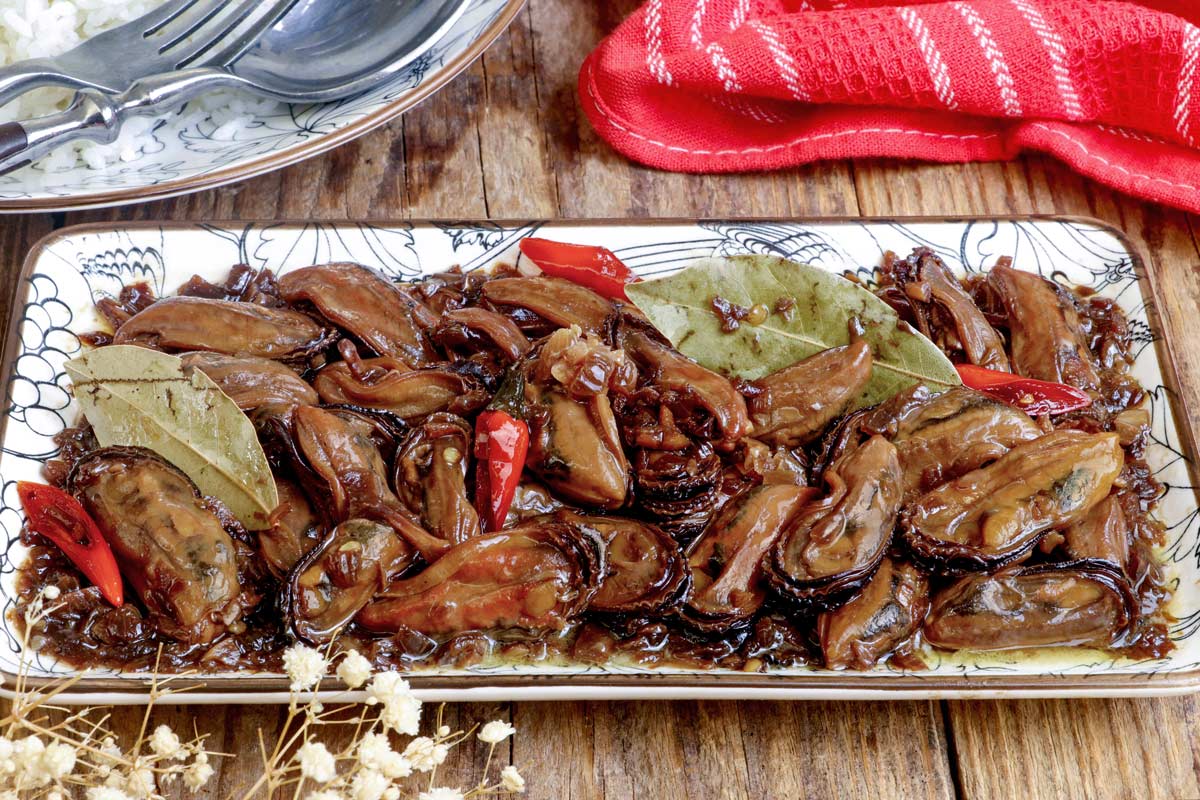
x=664, y=513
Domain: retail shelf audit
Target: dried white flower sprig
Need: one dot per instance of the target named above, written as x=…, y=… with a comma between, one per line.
x=79, y=756
x=369, y=767
x=72, y=753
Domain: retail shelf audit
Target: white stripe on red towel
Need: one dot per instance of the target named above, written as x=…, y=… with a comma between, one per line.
x=782, y=58
x=987, y=43
x=933, y=57
x=1057, y=53
x=1187, y=77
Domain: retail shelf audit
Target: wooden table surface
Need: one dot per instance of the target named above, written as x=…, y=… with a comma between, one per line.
x=507, y=140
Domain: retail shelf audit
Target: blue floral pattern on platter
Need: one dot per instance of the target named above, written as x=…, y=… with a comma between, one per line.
x=77, y=267
x=184, y=148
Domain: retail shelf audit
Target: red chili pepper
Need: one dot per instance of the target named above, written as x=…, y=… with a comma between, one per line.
x=597, y=268
x=1028, y=394
x=501, y=442
x=60, y=518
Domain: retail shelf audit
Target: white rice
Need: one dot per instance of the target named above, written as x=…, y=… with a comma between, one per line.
x=41, y=28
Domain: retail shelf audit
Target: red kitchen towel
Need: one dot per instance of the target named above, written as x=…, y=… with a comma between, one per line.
x=1109, y=87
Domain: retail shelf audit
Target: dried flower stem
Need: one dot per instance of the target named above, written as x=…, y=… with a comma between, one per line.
x=43, y=758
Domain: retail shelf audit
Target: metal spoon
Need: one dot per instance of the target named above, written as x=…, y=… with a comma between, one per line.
x=174, y=35
x=321, y=50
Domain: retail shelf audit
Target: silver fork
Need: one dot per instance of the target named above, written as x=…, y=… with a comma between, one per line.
x=176, y=35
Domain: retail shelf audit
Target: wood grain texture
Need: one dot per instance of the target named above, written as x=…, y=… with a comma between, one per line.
x=507, y=140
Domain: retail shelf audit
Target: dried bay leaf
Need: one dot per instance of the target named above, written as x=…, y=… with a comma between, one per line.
x=143, y=398
x=809, y=310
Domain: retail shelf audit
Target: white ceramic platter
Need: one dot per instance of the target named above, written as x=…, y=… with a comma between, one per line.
x=190, y=153
x=71, y=268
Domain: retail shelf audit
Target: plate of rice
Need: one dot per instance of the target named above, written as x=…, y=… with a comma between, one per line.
x=216, y=139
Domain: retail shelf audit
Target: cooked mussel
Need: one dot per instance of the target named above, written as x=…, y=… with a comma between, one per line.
x=430, y=477
x=995, y=514
x=883, y=618
x=366, y=305
x=834, y=545
x=725, y=562
x=556, y=301
x=686, y=387
x=1085, y=603
x=855, y=428
x=574, y=443
x=532, y=499
x=943, y=310
x=385, y=429
x=170, y=543
x=646, y=570
x=253, y=382
x=953, y=433
x=446, y=291
x=222, y=326
x=675, y=483
x=348, y=464
x=575, y=449
x=536, y=577
x=1102, y=535
x=386, y=383
x=333, y=583
x=469, y=331
x=793, y=405
x=1047, y=338
x=295, y=530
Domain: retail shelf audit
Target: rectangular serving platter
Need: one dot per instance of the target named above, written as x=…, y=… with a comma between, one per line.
x=67, y=271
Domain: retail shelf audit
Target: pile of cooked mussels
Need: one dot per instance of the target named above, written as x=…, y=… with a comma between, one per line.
x=518, y=466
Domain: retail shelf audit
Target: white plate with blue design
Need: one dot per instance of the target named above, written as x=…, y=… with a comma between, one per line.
x=69, y=270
